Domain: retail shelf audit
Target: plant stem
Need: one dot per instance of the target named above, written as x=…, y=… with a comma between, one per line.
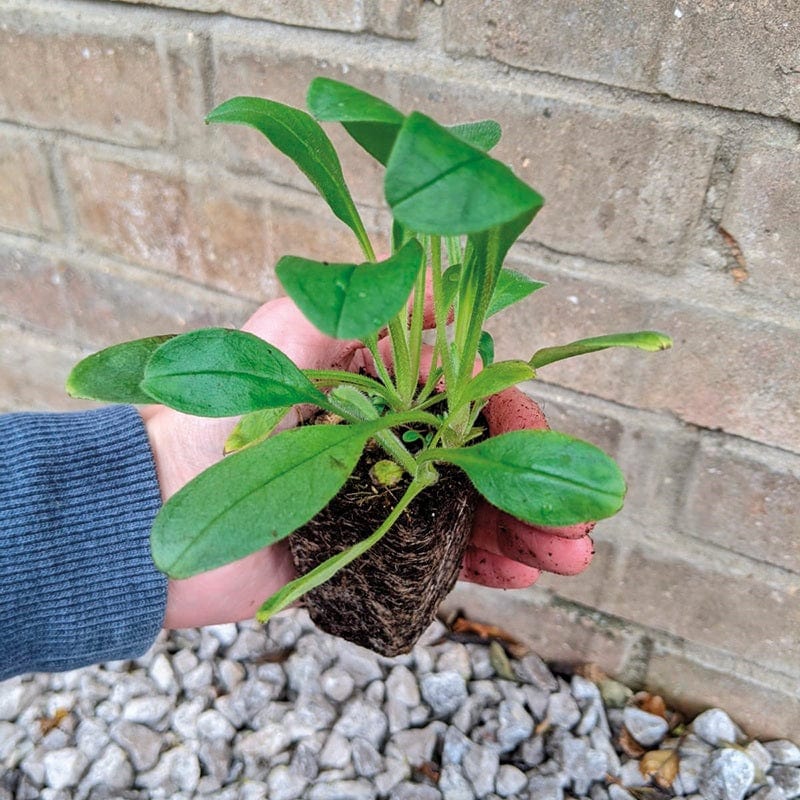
x=327, y=569
x=326, y=378
x=440, y=310
x=417, y=323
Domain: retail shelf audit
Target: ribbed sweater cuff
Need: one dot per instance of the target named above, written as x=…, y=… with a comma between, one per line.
x=78, y=495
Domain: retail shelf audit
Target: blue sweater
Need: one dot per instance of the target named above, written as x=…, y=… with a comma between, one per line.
x=78, y=494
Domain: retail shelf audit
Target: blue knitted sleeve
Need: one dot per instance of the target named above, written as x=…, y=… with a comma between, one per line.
x=78, y=494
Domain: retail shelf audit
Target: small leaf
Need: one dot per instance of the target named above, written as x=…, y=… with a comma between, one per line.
x=651, y=341
x=660, y=765
x=217, y=372
x=357, y=403
x=495, y=378
x=542, y=477
x=254, y=498
x=436, y=183
x=372, y=122
x=486, y=349
x=483, y=134
x=500, y=663
x=511, y=287
x=351, y=301
x=300, y=137
x=113, y=375
x=254, y=427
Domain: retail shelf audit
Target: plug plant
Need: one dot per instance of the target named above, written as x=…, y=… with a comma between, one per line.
x=456, y=211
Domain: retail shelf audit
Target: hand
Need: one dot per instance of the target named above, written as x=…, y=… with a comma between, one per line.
x=504, y=552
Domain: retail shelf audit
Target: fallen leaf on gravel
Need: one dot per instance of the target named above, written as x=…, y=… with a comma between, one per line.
x=429, y=770
x=592, y=672
x=462, y=626
x=660, y=765
x=651, y=703
x=629, y=745
x=47, y=724
x=499, y=661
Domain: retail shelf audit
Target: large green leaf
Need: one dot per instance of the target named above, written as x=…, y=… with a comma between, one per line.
x=436, y=183
x=254, y=427
x=372, y=122
x=113, y=375
x=511, y=287
x=542, y=477
x=351, y=301
x=298, y=136
x=652, y=341
x=217, y=372
x=254, y=498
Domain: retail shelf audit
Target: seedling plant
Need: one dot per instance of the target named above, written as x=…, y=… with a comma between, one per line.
x=456, y=211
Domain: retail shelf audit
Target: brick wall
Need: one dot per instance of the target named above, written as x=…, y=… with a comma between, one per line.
x=665, y=138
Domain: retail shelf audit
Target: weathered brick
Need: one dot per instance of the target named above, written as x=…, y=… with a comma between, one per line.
x=282, y=75
x=756, y=502
x=716, y=605
x=764, y=710
x=164, y=220
x=762, y=213
x=340, y=16
x=555, y=631
x=737, y=55
x=617, y=186
x=33, y=369
x=395, y=18
x=101, y=305
x=105, y=86
x=27, y=198
x=613, y=42
x=725, y=371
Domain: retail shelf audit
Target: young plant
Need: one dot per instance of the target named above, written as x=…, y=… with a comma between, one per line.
x=456, y=212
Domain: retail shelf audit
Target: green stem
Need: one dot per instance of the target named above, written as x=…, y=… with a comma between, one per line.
x=327, y=569
x=328, y=378
x=440, y=311
x=417, y=324
x=372, y=345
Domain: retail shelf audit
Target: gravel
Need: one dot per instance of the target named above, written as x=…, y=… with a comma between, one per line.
x=241, y=712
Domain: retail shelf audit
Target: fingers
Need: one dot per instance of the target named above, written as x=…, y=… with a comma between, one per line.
x=541, y=548
x=512, y=410
x=496, y=571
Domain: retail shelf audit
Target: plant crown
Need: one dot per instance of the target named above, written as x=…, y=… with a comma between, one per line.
x=456, y=211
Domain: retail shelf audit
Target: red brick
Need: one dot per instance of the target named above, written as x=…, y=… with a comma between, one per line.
x=747, y=502
x=741, y=56
x=33, y=369
x=165, y=221
x=614, y=42
x=762, y=213
x=105, y=86
x=100, y=305
x=761, y=708
x=725, y=371
x=27, y=199
x=714, y=605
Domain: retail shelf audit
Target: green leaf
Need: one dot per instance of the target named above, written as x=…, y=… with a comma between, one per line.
x=254, y=498
x=216, y=372
x=298, y=136
x=483, y=134
x=254, y=427
x=496, y=377
x=372, y=122
x=436, y=183
x=652, y=341
x=113, y=375
x=450, y=280
x=351, y=301
x=542, y=477
x=486, y=348
x=511, y=287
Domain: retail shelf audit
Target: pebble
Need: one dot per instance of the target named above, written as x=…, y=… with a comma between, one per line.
x=205, y=715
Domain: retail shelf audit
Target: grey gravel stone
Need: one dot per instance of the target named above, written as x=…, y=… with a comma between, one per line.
x=444, y=692
x=562, y=709
x=211, y=724
x=646, y=728
x=63, y=768
x=285, y=784
x=401, y=685
x=454, y=785
x=337, y=683
x=142, y=744
x=336, y=753
x=455, y=745
x=456, y=659
x=515, y=725
x=367, y=761
x=480, y=766
x=728, y=775
x=715, y=727
x=510, y=780
x=415, y=791
x=544, y=787
x=361, y=719
x=531, y=669
x=417, y=745
x=342, y=790
x=147, y=710
x=787, y=779
x=395, y=772
x=783, y=752
x=111, y=770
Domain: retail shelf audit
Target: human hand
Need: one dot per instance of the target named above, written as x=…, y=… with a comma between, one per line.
x=504, y=552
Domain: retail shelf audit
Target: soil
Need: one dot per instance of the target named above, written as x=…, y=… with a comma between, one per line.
x=386, y=599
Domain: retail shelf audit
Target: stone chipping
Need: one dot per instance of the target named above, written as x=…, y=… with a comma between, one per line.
x=285, y=712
